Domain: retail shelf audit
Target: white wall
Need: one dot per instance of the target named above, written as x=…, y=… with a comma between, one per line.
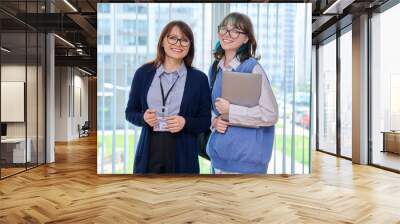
x=33, y=126
x=12, y=73
x=79, y=117
x=17, y=73
x=61, y=103
x=71, y=87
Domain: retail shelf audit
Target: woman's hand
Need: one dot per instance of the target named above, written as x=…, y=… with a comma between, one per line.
x=175, y=123
x=222, y=106
x=150, y=117
x=220, y=125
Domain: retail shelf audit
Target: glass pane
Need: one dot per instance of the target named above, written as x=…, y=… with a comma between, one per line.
x=41, y=98
x=327, y=97
x=313, y=122
x=302, y=90
x=31, y=98
x=346, y=94
x=32, y=86
x=386, y=89
x=13, y=86
x=22, y=82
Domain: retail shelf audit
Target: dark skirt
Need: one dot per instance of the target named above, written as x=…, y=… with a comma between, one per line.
x=162, y=153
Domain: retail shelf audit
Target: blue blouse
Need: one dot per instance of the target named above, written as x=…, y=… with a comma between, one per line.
x=174, y=100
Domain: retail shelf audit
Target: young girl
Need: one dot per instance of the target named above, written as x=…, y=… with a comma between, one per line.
x=233, y=148
x=171, y=101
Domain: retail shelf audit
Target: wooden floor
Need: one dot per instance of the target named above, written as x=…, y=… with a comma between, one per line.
x=387, y=159
x=10, y=171
x=70, y=191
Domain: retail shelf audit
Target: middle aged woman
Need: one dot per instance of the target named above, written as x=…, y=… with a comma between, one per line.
x=171, y=101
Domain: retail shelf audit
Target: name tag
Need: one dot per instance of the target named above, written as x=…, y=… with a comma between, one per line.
x=162, y=124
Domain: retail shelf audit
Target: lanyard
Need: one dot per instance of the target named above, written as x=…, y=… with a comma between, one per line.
x=164, y=98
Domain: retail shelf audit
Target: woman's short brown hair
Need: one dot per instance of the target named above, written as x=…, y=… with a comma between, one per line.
x=185, y=29
x=242, y=22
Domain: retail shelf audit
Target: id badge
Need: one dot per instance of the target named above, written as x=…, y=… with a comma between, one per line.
x=162, y=124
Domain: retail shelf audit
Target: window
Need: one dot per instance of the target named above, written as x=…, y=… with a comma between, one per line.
x=103, y=8
x=385, y=85
x=142, y=27
x=129, y=8
x=104, y=25
x=128, y=40
x=103, y=39
x=25, y=80
x=327, y=97
x=142, y=9
x=346, y=94
x=128, y=25
x=142, y=40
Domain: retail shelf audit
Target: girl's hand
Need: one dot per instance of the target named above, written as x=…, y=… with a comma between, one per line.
x=175, y=123
x=220, y=125
x=222, y=106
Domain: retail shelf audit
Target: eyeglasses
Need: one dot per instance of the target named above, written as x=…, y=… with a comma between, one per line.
x=233, y=33
x=174, y=40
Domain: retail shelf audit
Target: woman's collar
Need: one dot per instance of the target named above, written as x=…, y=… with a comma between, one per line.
x=181, y=70
x=233, y=64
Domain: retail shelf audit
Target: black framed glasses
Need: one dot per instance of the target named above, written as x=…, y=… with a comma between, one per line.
x=233, y=33
x=174, y=41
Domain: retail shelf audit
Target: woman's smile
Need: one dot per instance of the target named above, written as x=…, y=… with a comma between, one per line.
x=177, y=50
x=227, y=40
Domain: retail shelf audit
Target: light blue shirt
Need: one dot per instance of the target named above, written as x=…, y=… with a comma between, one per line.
x=173, y=103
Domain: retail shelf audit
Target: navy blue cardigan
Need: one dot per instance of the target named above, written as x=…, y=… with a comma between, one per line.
x=195, y=108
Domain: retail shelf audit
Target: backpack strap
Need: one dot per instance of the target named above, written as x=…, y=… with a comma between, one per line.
x=214, y=71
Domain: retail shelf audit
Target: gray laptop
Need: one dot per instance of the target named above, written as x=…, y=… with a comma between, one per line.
x=242, y=89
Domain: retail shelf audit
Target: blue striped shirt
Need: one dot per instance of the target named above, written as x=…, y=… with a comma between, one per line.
x=173, y=103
